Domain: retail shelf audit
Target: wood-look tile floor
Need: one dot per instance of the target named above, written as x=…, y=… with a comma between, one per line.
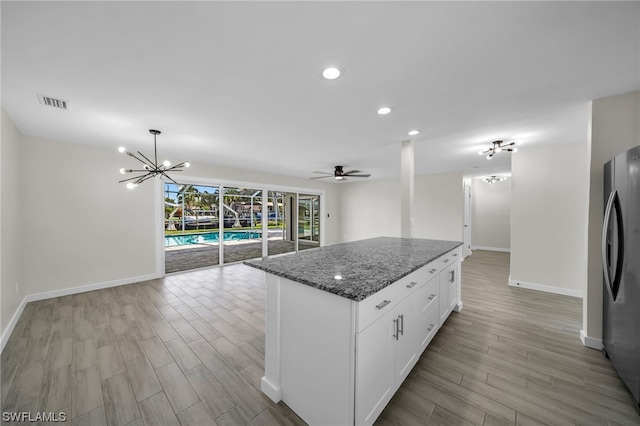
x=189, y=349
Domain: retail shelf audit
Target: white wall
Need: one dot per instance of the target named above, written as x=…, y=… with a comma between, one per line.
x=80, y=227
x=439, y=206
x=68, y=224
x=491, y=215
x=10, y=223
x=372, y=208
x=615, y=127
x=369, y=209
x=548, y=218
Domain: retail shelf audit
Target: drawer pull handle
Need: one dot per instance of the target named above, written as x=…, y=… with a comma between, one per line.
x=455, y=254
x=431, y=297
x=383, y=304
x=453, y=276
x=431, y=271
x=413, y=283
x=401, y=327
x=446, y=261
x=431, y=327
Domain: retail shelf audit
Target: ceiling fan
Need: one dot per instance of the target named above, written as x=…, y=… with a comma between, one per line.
x=340, y=174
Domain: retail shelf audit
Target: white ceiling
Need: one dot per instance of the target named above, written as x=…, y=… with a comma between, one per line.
x=238, y=83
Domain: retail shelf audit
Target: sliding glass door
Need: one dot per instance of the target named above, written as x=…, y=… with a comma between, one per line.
x=281, y=224
x=208, y=225
x=242, y=224
x=191, y=227
x=308, y=221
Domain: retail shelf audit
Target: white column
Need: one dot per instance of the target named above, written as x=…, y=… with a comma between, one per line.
x=406, y=183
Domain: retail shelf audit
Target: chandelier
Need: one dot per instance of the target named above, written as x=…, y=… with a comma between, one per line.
x=494, y=179
x=149, y=168
x=496, y=147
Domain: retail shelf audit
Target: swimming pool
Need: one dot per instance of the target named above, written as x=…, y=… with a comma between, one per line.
x=208, y=237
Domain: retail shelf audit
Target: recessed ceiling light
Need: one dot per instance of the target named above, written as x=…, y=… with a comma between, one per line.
x=384, y=110
x=413, y=132
x=331, y=73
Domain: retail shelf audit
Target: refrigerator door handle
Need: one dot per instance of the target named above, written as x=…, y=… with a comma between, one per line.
x=613, y=287
x=605, y=227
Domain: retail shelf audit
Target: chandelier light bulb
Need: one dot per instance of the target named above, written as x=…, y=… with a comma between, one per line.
x=384, y=110
x=123, y=170
x=481, y=152
x=489, y=157
x=498, y=149
x=186, y=164
x=122, y=149
x=413, y=132
x=131, y=185
x=166, y=163
x=514, y=150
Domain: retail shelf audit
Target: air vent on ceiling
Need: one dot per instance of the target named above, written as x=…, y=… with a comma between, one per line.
x=53, y=102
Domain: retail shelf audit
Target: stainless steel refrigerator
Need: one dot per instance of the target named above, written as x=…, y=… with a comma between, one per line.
x=621, y=264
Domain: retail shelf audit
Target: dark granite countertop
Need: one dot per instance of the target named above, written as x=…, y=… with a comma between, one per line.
x=366, y=266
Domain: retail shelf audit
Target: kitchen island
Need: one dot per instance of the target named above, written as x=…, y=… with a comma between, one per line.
x=346, y=323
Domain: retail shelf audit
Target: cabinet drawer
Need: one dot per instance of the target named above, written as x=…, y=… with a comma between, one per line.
x=427, y=297
x=428, y=326
x=449, y=258
x=378, y=304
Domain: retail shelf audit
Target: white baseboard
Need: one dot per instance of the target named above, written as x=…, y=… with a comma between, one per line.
x=272, y=391
x=65, y=292
x=545, y=288
x=12, y=324
x=590, y=342
x=506, y=250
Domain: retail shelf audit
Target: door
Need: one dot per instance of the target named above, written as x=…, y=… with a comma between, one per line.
x=406, y=338
x=467, y=222
x=375, y=374
x=308, y=221
x=620, y=251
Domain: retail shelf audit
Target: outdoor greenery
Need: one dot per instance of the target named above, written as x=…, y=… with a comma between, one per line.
x=198, y=206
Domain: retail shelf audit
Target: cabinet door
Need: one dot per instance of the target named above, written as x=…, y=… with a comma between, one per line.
x=406, y=338
x=375, y=374
x=445, y=309
x=454, y=278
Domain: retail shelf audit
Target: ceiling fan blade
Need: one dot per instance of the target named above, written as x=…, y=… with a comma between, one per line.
x=321, y=177
x=324, y=173
x=351, y=171
x=351, y=175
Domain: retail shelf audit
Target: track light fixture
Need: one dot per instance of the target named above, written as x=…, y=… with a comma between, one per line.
x=150, y=168
x=498, y=146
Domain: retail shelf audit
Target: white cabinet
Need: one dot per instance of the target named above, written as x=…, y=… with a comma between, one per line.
x=396, y=340
x=333, y=360
x=375, y=375
x=449, y=285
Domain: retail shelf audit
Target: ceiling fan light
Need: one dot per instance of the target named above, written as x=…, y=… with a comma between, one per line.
x=384, y=110
x=339, y=177
x=413, y=132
